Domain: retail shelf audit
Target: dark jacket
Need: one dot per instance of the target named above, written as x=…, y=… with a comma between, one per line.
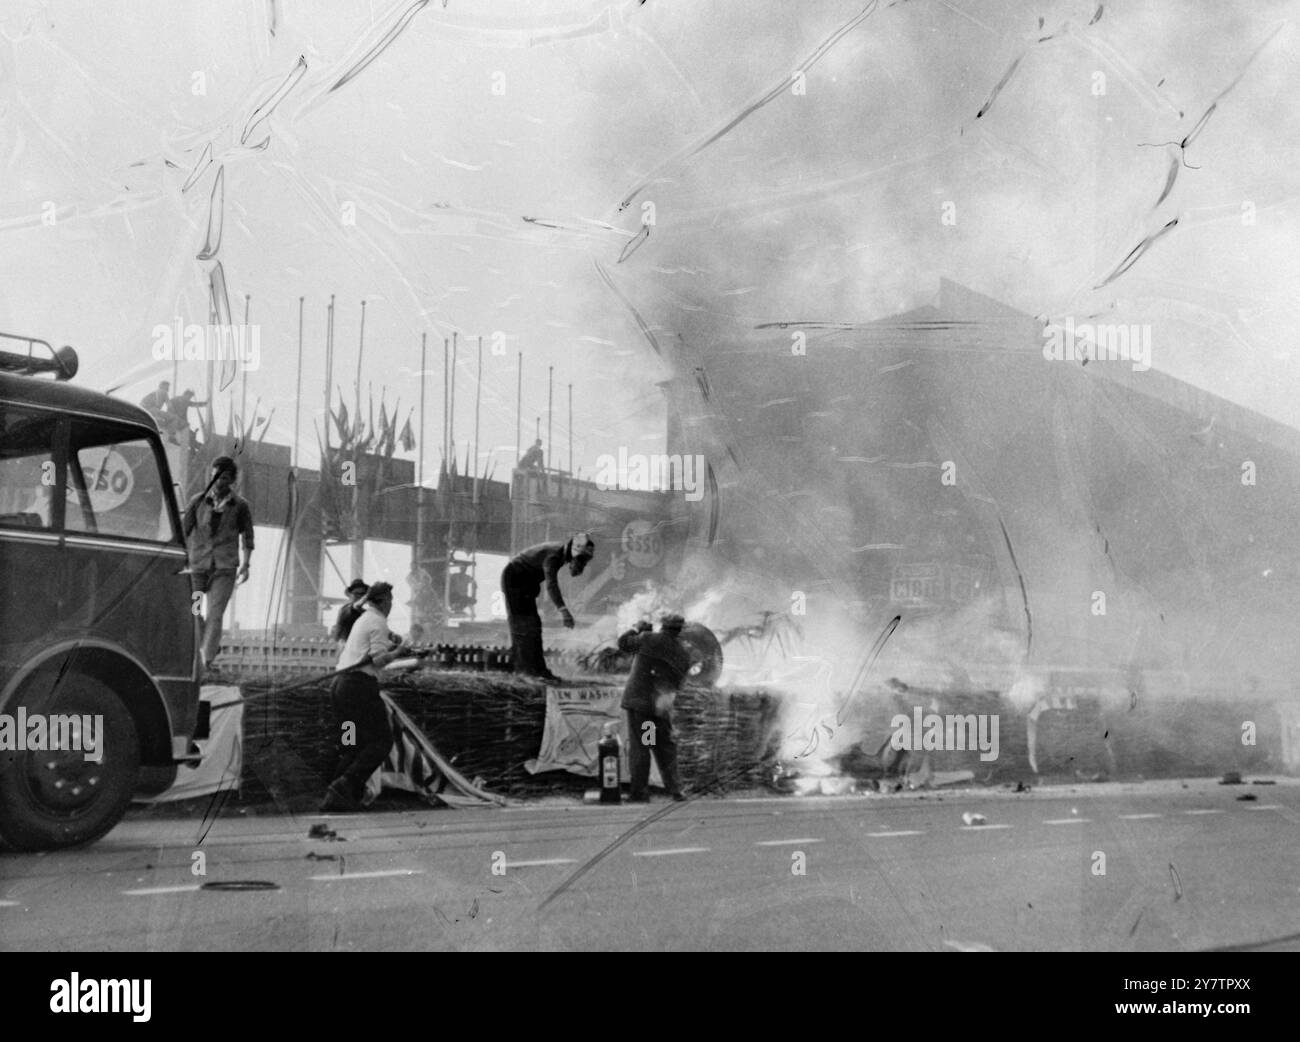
x=538, y=564
x=215, y=547
x=658, y=670
x=348, y=614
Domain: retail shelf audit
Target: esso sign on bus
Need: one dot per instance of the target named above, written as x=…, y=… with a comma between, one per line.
x=109, y=478
x=642, y=544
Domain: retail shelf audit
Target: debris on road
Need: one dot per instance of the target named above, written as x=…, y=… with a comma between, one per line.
x=971, y=818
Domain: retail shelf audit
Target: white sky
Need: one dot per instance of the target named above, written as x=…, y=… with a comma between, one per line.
x=825, y=204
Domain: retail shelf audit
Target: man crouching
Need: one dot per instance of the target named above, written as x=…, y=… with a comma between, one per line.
x=359, y=711
x=660, y=666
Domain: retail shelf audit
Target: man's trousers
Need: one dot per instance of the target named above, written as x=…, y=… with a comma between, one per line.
x=356, y=701
x=521, y=591
x=642, y=741
x=217, y=588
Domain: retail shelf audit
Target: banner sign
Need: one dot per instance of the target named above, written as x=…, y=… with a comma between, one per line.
x=575, y=717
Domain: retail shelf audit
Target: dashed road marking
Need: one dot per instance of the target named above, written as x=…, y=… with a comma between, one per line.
x=666, y=853
x=148, y=891
x=1067, y=821
x=981, y=828
x=1205, y=810
x=379, y=874
x=542, y=861
x=968, y=946
x=1266, y=806
x=897, y=832
x=1139, y=817
x=10, y=904
x=784, y=842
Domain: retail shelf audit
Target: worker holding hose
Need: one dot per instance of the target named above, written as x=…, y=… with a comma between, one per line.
x=365, y=736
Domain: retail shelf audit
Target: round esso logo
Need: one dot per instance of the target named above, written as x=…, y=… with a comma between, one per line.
x=642, y=544
x=109, y=478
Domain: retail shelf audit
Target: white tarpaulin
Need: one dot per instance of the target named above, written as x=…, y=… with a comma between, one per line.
x=223, y=750
x=575, y=718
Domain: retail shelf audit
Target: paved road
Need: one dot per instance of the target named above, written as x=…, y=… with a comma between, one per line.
x=1184, y=868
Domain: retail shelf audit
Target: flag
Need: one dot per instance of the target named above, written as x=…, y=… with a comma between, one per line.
x=408, y=435
x=221, y=309
x=414, y=765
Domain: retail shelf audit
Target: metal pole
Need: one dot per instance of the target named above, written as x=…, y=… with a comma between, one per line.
x=358, y=537
x=550, y=414
x=297, y=396
x=570, y=430
x=446, y=369
x=451, y=389
x=212, y=420
x=478, y=401
x=329, y=370
x=419, y=466
x=361, y=347
x=244, y=429
x=519, y=408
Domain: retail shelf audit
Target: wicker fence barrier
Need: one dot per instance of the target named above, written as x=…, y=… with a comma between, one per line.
x=487, y=725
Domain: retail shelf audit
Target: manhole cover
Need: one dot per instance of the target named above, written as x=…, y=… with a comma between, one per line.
x=241, y=884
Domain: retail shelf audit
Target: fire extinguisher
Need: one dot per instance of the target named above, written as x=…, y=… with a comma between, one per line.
x=607, y=750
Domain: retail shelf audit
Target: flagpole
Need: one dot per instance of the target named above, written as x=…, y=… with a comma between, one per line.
x=329, y=372
x=297, y=397
x=361, y=347
x=446, y=370
x=419, y=480
x=243, y=398
x=212, y=419
x=451, y=390
x=550, y=416
x=570, y=430
x=478, y=401
x=519, y=408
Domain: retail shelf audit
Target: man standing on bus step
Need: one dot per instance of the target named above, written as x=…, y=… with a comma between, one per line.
x=215, y=522
x=521, y=582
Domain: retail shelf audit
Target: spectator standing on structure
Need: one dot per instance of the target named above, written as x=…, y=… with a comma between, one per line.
x=350, y=612
x=156, y=401
x=534, y=457
x=360, y=716
x=178, y=412
x=660, y=665
x=521, y=582
x=215, y=523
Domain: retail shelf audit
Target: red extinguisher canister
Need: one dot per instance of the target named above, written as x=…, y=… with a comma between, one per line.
x=607, y=750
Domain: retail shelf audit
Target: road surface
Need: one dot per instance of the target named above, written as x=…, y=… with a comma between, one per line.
x=1149, y=867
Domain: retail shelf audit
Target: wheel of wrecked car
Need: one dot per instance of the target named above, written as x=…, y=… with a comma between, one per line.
x=61, y=797
x=706, y=654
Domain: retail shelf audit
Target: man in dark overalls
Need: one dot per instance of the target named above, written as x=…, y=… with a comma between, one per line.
x=521, y=582
x=661, y=664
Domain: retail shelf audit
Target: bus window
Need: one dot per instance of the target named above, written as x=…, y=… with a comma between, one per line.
x=114, y=485
x=27, y=472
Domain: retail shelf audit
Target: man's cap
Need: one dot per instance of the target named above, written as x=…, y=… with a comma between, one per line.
x=222, y=463
x=358, y=586
x=673, y=622
x=378, y=591
x=583, y=546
